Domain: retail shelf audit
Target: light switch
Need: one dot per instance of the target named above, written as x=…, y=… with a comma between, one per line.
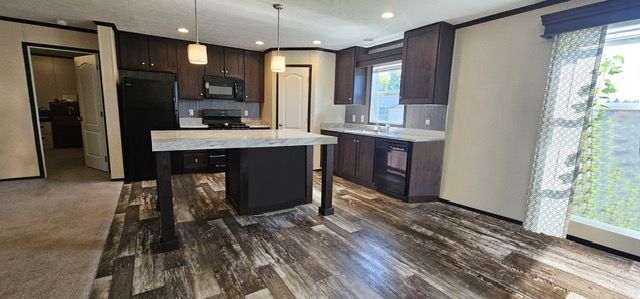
x=361, y=118
x=353, y=118
x=191, y=113
x=427, y=122
x=246, y=113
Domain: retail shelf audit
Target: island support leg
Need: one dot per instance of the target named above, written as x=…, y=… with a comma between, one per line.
x=168, y=240
x=326, y=199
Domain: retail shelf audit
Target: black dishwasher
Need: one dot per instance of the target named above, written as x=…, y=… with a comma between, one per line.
x=390, y=166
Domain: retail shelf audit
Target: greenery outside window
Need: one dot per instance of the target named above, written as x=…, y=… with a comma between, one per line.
x=385, y=105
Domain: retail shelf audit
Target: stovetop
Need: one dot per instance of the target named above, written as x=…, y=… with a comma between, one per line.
x=228, y=126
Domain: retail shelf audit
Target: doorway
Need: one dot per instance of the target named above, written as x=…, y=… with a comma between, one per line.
x=294, y=98
x=68, y=111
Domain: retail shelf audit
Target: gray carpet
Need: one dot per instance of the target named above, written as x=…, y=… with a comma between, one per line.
x=54, y=229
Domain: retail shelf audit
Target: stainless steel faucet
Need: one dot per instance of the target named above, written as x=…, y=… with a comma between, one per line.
x=383, y=128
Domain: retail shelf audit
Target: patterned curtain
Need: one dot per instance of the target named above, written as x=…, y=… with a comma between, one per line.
x=570, y=90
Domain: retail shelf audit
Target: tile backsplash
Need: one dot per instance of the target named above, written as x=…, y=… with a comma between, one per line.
x=429, y=117
x=251, y=109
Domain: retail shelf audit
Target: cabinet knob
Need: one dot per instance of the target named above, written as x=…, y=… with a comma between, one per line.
x=246, y=97
x=349, y=99
x=222, y=71
x=226, y=72
x=143, y=63
x=200, y=93
x=195, y=160
x=152, y=64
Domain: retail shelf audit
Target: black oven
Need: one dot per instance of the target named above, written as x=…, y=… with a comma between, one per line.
x=225, y=88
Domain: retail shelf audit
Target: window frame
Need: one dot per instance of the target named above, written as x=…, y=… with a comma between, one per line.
x=370, y=93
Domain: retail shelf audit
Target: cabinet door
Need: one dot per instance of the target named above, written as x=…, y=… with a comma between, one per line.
x=426, y=64
x=190, y=76
x=234, y=63
x=349, y=154
x=162, y=54
x=215, y=60
x=345, y=75
x=195, y=160
x=253, y=76
x=364, y=166
x=134, y=51
x=418, y=69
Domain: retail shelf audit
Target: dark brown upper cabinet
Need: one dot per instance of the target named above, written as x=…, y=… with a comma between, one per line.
x=253, y=76
x=215, y=60
x=426, y=64
x=162, y=55
x=134, y=51
x=190, y=76
x=226, y=62
x=234, y=63
x=147, y=53
x=351, y=81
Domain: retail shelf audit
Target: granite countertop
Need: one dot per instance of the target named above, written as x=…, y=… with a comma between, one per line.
x=180, y=140
x=402, y=134
x=196, y=123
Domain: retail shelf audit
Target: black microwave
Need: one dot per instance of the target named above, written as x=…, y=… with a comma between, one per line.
x=225, y=88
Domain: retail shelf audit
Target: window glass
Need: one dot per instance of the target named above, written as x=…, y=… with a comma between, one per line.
x=385, y=95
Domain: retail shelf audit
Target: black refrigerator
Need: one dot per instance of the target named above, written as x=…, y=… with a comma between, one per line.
x=145, y=105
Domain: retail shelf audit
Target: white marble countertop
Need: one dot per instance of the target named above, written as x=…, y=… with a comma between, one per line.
x=182, y=140
x=411, y=135
x=196, y=123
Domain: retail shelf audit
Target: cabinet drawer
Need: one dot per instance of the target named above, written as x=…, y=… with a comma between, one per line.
x=195, y=160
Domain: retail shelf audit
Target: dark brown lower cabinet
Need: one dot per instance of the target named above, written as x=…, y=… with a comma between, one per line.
x=195, y=161
x=356, y=158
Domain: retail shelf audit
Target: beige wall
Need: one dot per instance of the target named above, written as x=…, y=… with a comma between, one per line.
x=322, y=83
x=497, y=89
x=54, y=77
x=18, y=155
x=109, y=74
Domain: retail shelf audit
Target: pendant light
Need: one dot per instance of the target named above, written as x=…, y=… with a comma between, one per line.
x=197, y=53
x=277, y=61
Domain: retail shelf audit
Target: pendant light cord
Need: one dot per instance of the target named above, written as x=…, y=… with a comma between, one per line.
x=278, y=34
x=195, y=4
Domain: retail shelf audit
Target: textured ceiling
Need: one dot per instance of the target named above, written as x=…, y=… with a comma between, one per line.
x=239, y=23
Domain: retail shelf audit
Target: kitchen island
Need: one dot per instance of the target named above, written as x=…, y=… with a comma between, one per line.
x=267, y=170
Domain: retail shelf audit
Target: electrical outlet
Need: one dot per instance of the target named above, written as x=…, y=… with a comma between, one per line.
x=427, y=122
x=353, y=118
x=191, y=113
x=246, y=113
x=362, y=118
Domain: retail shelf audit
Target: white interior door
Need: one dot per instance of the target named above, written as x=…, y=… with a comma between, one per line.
x=293, y=99
x=91, y=111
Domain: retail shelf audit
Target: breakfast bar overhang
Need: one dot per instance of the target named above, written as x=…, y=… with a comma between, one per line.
x=286, y=154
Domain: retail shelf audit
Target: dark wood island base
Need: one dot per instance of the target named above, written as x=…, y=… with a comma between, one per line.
x=258, y=180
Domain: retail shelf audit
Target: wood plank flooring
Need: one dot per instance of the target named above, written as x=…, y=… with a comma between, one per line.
x=373, y=247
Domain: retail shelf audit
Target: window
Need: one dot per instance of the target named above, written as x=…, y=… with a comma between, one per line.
x=607, y=190
x=385, y=95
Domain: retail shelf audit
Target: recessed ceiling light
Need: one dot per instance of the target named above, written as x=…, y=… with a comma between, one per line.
x=259, y=42
x=183, y=30
x=317, y=42
x=387, y=15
